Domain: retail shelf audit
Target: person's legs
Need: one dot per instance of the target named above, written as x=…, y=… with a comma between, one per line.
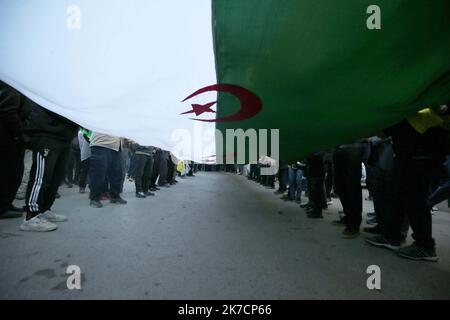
x=163, y=172
x=27, y=162
x=61, y=157
x=339, y=178
x=298, y=183
x=316, y=196
x=11, y=171
x=41, y=179
x=84, y=170
x=97, y=172
x=352, y=186
x=76, y=153
x=417, y=182
x=148, y=171
x=115, y=177
x=70, y=165
x=140, y=161
x=292, y=183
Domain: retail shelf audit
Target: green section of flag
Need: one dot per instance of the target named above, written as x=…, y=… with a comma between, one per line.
x=324, y=78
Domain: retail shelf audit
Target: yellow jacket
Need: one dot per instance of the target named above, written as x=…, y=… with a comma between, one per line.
x=426, y=119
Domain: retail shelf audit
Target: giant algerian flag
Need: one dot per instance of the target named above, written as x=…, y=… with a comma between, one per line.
x=323, y=75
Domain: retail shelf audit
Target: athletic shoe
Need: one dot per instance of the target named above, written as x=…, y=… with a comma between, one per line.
x=350, y=233
x=306, y=205
x=38, y=224
x=148, y=193
x=415, y=252
x=53, y=217
x=381, y=241
x=82, y=190
x=95, y=204
x=138, y=195
x=118, y=200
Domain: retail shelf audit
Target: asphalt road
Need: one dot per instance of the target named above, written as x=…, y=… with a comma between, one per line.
x=213, y=236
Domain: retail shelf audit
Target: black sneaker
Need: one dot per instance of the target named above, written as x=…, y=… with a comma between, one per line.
x=350, y=233
x=148, y=193
x=381, y=241
x=373, y=230
x=118, y=200
x=415, y=252
x=138, y=195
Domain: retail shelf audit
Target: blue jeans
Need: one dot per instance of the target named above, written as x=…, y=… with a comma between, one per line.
x=295, y=184
x=105, y=165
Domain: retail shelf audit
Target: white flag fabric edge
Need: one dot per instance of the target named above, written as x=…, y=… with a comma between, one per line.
x=116, y=67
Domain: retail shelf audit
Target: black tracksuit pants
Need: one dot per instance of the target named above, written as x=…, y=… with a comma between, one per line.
x=11, y=171
x=47, y=173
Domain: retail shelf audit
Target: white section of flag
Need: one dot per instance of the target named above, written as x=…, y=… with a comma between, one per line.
x=123, y=72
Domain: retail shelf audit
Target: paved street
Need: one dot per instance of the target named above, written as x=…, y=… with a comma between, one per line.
x=214, y=236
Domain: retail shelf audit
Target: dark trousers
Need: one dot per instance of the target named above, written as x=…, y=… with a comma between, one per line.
x=84, y=170
x=170, y=167
x=162, y=172
x=411, y=182
x=316, y=194
x=11, y=171
x=283, y=178
x=156, y=168
x=347, y=167
x=443, y=191
x=73, y=166
x=47, y=173
x=105, y=165
x=383, y=195
x=143, y=169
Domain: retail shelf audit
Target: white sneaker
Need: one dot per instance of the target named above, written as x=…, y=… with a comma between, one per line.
x=38, y=224
x=53, y=217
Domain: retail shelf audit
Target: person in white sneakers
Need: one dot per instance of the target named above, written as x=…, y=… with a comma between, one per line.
x=49, y=136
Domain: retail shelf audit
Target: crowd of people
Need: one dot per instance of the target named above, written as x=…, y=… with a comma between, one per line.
x=42, y=150
x=407, y=173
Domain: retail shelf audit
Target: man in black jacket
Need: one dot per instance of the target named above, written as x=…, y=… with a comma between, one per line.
x=12, y=148
x=49, y=137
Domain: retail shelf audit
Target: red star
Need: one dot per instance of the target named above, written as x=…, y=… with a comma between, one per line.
x=198, y=109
